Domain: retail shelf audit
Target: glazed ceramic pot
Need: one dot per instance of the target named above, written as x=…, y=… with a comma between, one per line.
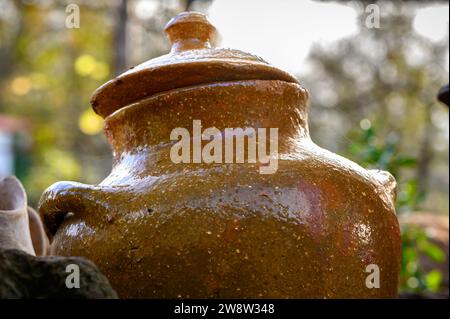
x=162, y=229
x=20, y=226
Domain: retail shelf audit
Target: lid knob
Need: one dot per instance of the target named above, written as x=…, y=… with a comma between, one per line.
x=190, y=31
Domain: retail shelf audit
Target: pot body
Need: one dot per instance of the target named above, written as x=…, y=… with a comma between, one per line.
x=156, y=229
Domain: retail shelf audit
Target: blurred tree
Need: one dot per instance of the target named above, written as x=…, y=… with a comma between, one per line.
x=120, y=37
x=386, y=80
x=48, y=73
x=388, y=76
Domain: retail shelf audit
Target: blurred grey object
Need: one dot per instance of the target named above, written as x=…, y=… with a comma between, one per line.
x=20, y=226
x=22, y=237
x=26, y=276
x=443, y=94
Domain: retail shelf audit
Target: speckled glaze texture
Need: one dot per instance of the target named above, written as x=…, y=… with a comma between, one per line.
x=164, y=230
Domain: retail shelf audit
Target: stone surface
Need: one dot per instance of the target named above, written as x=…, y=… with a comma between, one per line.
x=26, y=276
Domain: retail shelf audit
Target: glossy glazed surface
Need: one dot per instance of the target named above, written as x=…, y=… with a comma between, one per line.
x=164, y=230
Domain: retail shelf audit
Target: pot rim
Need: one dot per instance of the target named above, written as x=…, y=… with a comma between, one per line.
x=251, y=82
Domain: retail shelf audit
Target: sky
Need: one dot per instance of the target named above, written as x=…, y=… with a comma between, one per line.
x=282, y=32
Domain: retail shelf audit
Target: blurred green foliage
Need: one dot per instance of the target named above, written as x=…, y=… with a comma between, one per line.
x=385, y=81
x=41, y=81
x=375, y=79
x=415, y=243
x=371, y=152
x=49, y=71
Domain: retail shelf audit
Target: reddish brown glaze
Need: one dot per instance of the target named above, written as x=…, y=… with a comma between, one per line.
x=164, y=230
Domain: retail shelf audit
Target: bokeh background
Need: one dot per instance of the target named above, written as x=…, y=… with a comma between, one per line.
x=373, y=92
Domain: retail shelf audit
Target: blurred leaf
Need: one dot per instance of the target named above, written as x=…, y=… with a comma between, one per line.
x=405, y=161
x=433, y=280
x=433, y=251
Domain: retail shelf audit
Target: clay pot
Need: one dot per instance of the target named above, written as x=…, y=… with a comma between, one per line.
x=161, y=229
x=20, y=226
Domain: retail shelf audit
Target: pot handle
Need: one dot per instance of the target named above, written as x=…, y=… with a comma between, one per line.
x=62, y=198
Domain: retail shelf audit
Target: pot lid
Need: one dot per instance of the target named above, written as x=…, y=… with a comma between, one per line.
x=192, y=61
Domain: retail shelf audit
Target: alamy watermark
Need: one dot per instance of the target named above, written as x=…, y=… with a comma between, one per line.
x=73, y=16
x=228, y=146
x=373, y=16
x=73, y=277
x=373, y=279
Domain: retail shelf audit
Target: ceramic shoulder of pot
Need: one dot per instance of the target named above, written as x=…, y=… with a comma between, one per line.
x=387, y=181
